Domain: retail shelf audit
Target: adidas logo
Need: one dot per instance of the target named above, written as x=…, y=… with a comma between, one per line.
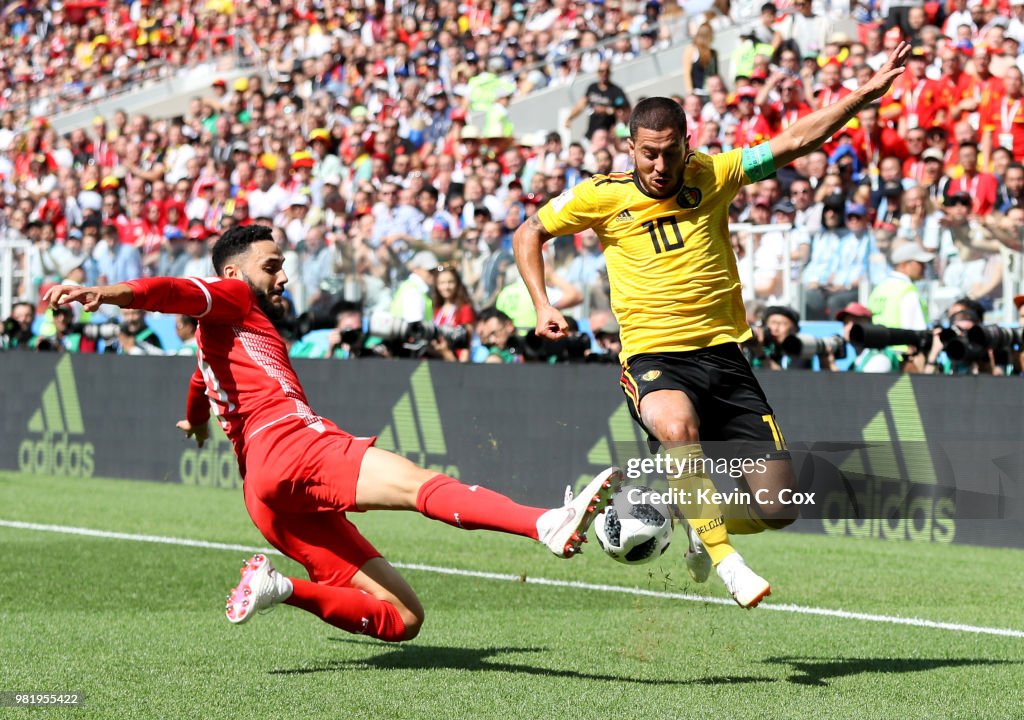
x=415, y=430
x=58, y=418
x=624, y=216
x=213, y=465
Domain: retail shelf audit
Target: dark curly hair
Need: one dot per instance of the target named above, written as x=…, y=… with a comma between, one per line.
x=235, y=242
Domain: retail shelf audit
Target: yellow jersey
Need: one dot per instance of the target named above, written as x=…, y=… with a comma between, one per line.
x=671, y=267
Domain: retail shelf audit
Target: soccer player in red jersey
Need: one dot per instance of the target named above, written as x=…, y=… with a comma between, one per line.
x=302, y=473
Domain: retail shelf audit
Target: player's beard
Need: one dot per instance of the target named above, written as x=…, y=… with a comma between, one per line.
x=265, y=301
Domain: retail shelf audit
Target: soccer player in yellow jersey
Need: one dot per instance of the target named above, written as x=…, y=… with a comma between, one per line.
x=675, y=291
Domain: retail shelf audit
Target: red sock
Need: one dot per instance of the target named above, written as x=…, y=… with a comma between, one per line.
x=349, y=609
x=472, y=507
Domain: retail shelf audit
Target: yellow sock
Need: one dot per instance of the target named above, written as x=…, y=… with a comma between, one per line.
x=746, y=526
x=706, y=519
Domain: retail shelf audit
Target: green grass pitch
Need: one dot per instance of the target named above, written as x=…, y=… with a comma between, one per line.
x=139, y=627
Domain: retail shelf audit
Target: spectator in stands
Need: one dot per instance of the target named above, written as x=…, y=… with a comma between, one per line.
x=452, y=308
x=116, y=261
x=601, y=98
x=700, y=60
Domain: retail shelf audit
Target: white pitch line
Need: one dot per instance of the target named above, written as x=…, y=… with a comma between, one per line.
x=508, y=577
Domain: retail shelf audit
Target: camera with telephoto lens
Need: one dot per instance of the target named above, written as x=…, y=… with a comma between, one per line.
x=804, y=346
x=96, y=331
x=959, y=347
x=996, y=337
x=417, y=334
x=572, y=348
x=877, y=337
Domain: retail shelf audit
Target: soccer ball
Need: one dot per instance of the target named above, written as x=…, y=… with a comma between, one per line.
x=634, y=533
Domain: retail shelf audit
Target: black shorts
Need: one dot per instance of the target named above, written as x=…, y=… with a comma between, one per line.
x=730, y=403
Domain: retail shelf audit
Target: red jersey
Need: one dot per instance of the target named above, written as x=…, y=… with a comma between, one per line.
x=243, y=373
x=1004, y=118
x=982, y=188
x=921, y=100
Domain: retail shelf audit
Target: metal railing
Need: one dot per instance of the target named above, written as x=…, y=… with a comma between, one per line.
x=13, y=252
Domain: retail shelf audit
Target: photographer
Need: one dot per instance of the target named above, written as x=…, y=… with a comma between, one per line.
x=347, y=339
x=967, y=358
x=17, y=329
x=764, y=350
x=868, y=360
x=65, y=337
x=498, y=338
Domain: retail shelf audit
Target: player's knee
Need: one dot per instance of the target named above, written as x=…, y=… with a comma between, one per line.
x=678, y=431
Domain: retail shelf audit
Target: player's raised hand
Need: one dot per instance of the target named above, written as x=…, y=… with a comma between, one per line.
x=90, y=297
x=199, y=432
x=551, y=324
x=894, y=66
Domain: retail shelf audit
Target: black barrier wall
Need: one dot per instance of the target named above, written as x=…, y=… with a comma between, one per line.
x=530, y=430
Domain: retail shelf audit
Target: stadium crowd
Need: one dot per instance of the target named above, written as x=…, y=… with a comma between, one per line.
x=356, y=145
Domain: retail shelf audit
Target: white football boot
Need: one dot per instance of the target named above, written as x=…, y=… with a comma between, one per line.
x=746, y=586
x=260, y=588
x=564, y=529
x=698, y=561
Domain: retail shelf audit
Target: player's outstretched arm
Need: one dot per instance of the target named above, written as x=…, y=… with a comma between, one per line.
x=527, y=243
x=90, y=297
x=808, y=133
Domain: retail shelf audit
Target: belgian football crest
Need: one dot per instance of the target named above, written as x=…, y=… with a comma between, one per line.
x=689, y=197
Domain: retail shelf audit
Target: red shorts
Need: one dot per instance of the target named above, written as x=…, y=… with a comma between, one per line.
x=299, y=483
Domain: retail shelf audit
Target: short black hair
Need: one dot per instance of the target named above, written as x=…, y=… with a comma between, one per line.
x=236, y=241
x=490, y=313
x=972, y=306
x=657, y=113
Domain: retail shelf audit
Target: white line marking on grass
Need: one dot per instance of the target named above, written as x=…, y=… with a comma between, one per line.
x=507, y=577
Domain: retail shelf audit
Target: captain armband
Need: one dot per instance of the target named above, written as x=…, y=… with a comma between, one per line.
x=758, y=162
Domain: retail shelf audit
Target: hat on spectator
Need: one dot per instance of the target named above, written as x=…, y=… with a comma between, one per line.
x=319, y=134
x=302, y=159
x=459, y=115
x=70, y=263
x=855, y=209
x=854, y=309
x=90, y=200
x=496, y=64
x=910, y=252
x=759, y=74
x=74, y=233
x=172, y=232
x=239, y=146
x=219, y=82
x=1018, y=300
x=109, y=183
x=932, y=154
x=788, y=312
x=197, y=232
x=332, y=180
x=746, y=92
x=784, y=206
x=359, y=112
x=268, y=161
x=241, y=84
x=299, y=199
x=423, y=260
x=470, y=132
x=762, y=200
x=535, y=198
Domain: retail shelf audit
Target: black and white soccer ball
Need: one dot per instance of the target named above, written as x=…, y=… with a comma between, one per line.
x=634, y=532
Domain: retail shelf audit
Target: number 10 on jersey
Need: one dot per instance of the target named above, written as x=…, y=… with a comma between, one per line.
x=660, y=236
